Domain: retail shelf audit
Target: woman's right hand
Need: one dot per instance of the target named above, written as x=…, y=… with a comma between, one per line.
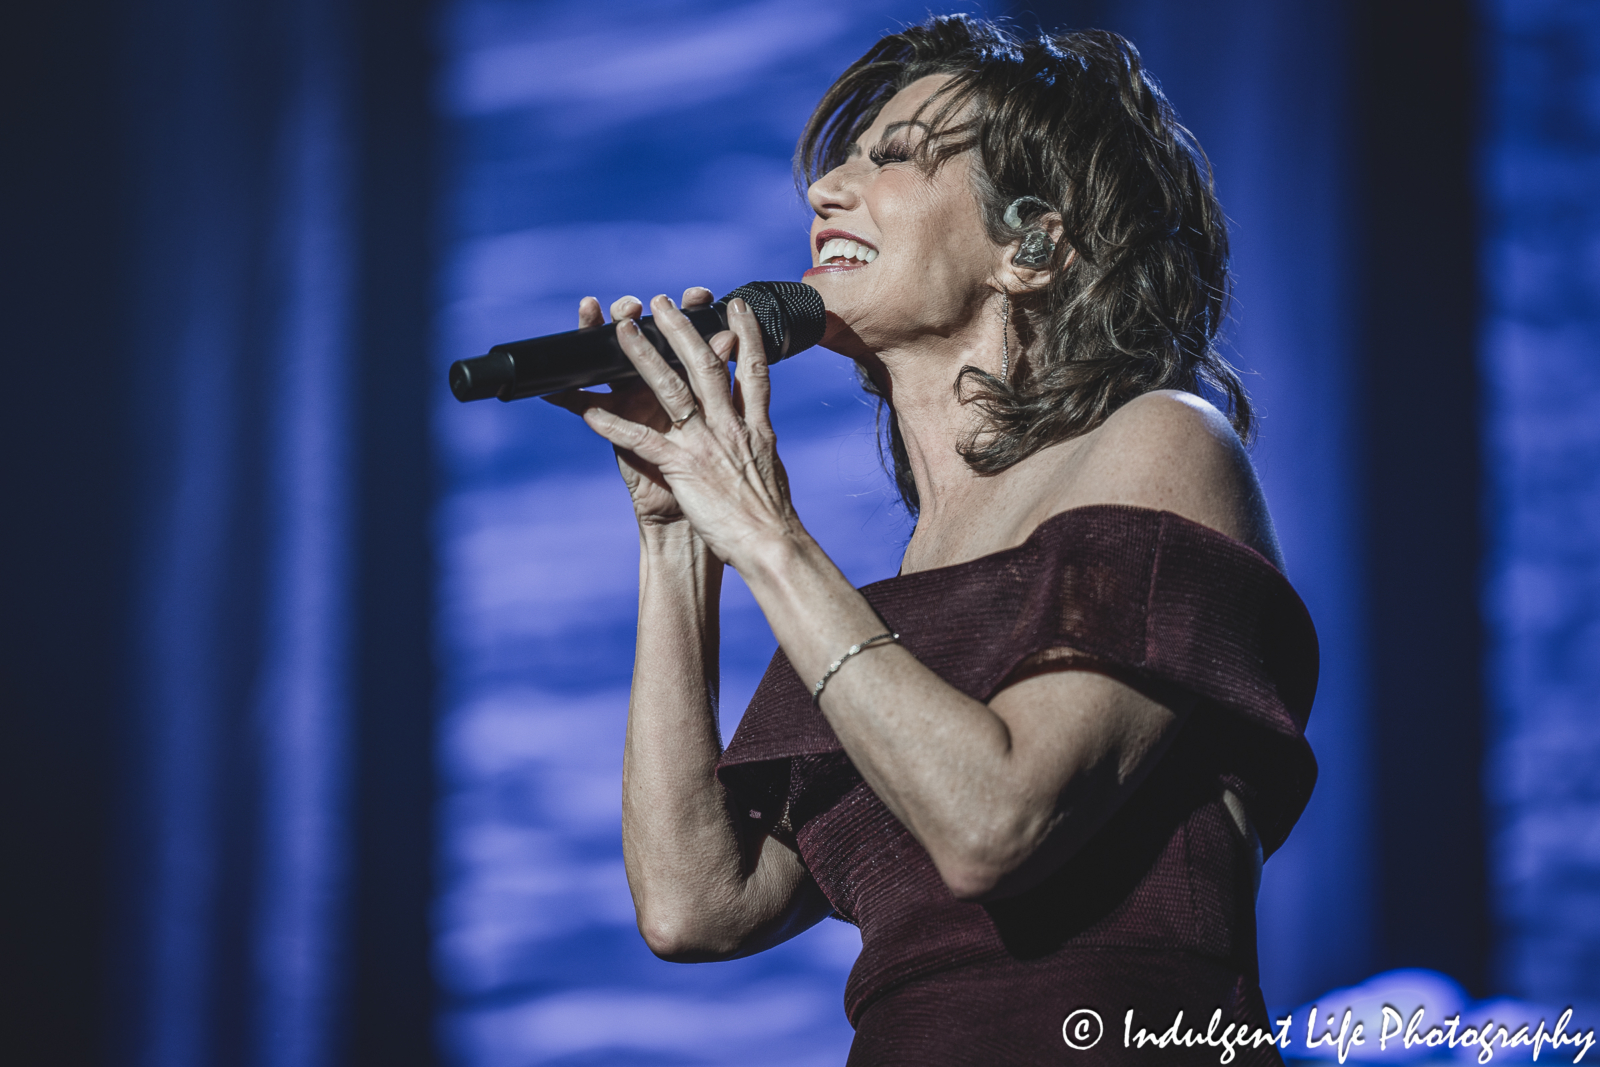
x=653, y=502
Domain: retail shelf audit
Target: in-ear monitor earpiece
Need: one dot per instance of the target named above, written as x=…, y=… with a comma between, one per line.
x=1037, y=247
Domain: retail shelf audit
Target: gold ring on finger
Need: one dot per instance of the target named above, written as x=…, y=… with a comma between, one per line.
x=677, y=424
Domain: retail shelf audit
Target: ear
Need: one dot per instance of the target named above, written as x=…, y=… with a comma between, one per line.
x=1023, y=276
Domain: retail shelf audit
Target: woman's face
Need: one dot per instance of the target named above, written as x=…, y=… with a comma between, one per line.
x=900, y=255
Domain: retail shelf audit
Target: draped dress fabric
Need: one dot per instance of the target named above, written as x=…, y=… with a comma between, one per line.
x=1156, y=913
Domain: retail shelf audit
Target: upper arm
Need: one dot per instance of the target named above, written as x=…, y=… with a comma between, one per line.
x=1081, y=743
x=1173, y=451
x=1078, y=742
x=1081, y=740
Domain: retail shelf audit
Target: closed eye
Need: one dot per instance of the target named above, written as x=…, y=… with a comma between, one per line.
x=891, y=152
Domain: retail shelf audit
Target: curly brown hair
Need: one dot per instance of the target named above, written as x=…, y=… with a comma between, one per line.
x=1074, y=121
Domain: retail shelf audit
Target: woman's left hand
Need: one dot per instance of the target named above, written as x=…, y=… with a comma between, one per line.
x=719, y=457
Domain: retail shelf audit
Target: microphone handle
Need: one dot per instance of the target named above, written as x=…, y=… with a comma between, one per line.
x=572, y=360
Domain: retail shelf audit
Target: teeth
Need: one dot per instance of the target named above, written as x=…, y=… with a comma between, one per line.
x=843, y=248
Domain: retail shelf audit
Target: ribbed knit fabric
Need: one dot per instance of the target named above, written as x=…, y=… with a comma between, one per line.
x=1156, y=913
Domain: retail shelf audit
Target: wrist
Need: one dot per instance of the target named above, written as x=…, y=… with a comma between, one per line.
x=774, y=561
x=670, y=538
x=676, y=555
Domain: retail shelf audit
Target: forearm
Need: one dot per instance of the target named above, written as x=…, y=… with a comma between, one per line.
x=684, y=862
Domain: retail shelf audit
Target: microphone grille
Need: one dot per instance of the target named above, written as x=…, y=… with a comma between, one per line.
x=791, y=315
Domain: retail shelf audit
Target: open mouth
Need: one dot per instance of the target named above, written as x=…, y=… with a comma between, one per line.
x=840, y=249
x=840, y=252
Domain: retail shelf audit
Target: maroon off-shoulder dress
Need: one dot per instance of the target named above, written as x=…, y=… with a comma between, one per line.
x=1157, y=912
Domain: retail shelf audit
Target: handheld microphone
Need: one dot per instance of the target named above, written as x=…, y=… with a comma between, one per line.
x=791, y=316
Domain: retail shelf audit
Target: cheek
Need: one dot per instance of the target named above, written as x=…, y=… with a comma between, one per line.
x=941, y=221
x=950, y=267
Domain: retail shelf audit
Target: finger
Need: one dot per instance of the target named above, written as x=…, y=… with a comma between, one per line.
x=724, y=345
x=708, y=371
x=696, y=296
x=589, y=313
x=725, y=348
x=649, y=445
x=626, y=307
x=674, y=395
x=751, y=370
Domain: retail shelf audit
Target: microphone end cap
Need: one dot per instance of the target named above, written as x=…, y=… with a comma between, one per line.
x=482, y=377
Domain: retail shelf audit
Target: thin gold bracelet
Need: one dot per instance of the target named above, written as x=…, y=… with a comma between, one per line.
x=833, y=668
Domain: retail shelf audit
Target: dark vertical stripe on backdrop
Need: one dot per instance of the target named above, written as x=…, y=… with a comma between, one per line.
x=64, y=539
x=1418, y=321
x=391, y=1000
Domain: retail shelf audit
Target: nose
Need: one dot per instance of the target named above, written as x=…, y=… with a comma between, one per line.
x=832, y=193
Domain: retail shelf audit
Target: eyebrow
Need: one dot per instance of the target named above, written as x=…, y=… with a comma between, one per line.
x=893, y=126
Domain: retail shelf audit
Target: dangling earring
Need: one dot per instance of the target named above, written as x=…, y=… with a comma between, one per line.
x=1005, y=338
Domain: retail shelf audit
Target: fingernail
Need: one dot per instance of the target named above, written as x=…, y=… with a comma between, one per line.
x=664, y=298
x=626, y=325
x=738, y=306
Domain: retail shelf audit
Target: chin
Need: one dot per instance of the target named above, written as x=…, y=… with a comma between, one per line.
x=847, y=303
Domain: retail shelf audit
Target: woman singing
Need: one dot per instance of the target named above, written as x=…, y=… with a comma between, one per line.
x=1040, y=766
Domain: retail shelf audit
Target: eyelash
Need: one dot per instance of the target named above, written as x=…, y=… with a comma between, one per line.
x=893, y=152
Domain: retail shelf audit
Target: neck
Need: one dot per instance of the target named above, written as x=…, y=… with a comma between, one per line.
x=919, y=381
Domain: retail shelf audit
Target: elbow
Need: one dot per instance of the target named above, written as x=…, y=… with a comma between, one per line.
x=997, y=859
x=978, y=868
x=971, y=881
x=681, y=939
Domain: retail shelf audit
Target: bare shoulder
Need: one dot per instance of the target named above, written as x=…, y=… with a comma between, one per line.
x=1173, y=451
